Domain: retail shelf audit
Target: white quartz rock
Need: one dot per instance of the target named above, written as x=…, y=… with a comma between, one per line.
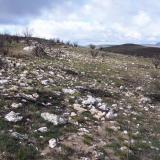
x=13, y=117
x=28, y=48
x=73, y=114
x=145, y=100
x=111, y=115
x=55, y=119
x=83, y=130
x=78, y=108
x=3, y=81
x=89, y=101
x=16, y=105
x=69, y=91
x=52, y=143
x=43, y=129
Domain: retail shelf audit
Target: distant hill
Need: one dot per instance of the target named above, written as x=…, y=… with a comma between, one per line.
x=134, y=49
x=158, y=44
x=104, y=46
x=100, y=46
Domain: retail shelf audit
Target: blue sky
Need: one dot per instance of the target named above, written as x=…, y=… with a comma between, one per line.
x=84, y=21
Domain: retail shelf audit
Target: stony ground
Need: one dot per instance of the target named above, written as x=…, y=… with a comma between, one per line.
x=75, y=107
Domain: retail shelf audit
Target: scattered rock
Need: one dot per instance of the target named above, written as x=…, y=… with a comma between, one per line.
x=19, y=136
x=43, y=129
x=145, y=100
x=32, y=97
x=111, y=115
x=93, y=111
x=55, y=119
x=139, y=89
x=45, y=82
x=78, y=108
x=89, y=101
x=3, y=81
x=124, y=148
x=73, y=114
x=99, y=115
x=69, y=91
x=84, y=158
x=84, y=130
x=103, y=107
x=115, y=128
x=125, y=132
x=29, y=48
x=13, y=117
x=52, y=143
x=16, y=105
x=122, y=88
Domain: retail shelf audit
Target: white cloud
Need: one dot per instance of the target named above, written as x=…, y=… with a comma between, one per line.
x=109, y=21
x=142, y=19
x=128, y=32
x=11, y=29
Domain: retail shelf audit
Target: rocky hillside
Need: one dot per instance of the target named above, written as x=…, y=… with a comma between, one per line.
x=67, y=105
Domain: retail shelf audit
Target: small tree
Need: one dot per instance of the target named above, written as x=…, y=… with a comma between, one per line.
x=68, y=43
x=156, y=61
x=27, y=33
x=92, y=46
x=1, y=63
x=16, y=37
x=1, y=43
x=4, y=46
x=75, y=44
x=58, y=40
x=94, y=52
x=50, y=44
x=101, y=48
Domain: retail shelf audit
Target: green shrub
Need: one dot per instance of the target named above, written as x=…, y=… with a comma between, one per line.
x=26, y=153
x=88, y=139
x=8, y=144
x=153, y=90
x=12, y=148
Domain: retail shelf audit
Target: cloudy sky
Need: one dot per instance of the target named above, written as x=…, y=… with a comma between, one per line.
x=84, y=21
